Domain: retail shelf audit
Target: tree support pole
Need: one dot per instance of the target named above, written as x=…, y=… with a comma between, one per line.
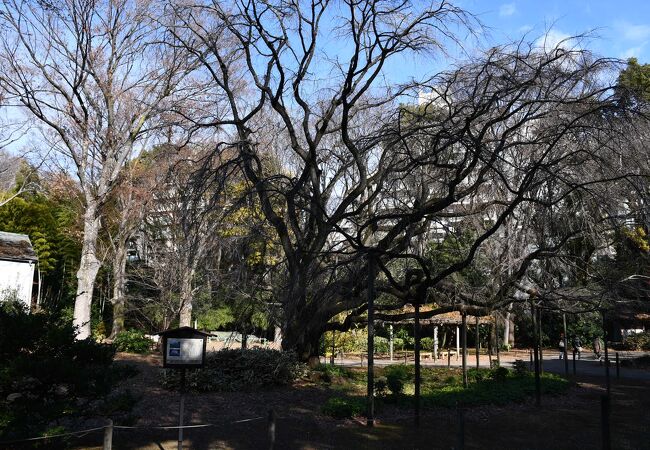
x=371, y=342
x=478, y=347
x=417, y=363
x=566, y=344
x=464, y=343
x=538, y=385
x=605, y=336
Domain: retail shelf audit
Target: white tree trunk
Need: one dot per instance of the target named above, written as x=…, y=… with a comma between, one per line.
x=186, y=299
x=87, y=273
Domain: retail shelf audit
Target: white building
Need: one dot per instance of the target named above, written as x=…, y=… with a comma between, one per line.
x=17, y=264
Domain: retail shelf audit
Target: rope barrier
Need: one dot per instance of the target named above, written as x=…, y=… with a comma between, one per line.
x=82, y=433
x=52, y=436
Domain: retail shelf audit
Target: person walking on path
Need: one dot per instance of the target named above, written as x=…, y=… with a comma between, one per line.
x=598, y=348
x=561, y=345
x=577, y=345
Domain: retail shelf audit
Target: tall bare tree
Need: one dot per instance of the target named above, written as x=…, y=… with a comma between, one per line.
x=95, y=76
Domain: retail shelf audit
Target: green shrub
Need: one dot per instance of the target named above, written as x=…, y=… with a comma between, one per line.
x=233, y=370
x=381, y=345
x=520, y=367
x=476, y=375
x=426, y=344
x=381, y=386
x=499, y=374
x=132, y=341
x=328, y=372
x=639, y=341
x=396, y=377
x=343, y=408
x=49, y=375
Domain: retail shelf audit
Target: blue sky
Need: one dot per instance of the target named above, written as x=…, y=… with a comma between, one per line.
x=622, y=27
x=619, y=29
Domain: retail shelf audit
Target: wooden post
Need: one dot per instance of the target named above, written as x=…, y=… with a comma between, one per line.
x=449, y=354
x=478, y=347
x=566, y=344
x=271, y=431
x=181, y=411
x=108, y=436
x=416, y=333
x=464, y=343
x=370, y=416
x=531, y=359
x=333, y=347
x=457, y=343
x=538, y=385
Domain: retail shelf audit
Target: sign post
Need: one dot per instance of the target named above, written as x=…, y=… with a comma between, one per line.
x=183, y=348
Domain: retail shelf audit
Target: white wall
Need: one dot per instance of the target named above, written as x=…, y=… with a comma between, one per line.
x=18, y=277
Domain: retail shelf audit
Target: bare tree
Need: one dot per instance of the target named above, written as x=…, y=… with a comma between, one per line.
x=362, y=175
x=95, y=77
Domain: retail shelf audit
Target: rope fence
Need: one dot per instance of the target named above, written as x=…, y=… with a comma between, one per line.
x=109, y=427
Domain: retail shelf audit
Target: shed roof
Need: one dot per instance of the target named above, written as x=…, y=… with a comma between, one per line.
x=16, y=247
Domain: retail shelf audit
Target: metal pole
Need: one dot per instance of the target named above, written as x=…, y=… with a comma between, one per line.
x=417, y=363
x=478, y=347
x=566, y=344
x=457, y=343
x=333, y=347
x=464, y=342
x=606, y=357
x=370, y=417
x=538, y=385
x=390, y=340
x=539, y=345
x=108, y=436
x=618, y=367
x=496, y=337
x=181, y=411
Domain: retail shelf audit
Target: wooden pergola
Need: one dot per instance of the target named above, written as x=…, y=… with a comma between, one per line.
x=453, y=318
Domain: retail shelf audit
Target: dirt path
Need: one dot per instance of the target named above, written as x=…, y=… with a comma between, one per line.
x=570, y=421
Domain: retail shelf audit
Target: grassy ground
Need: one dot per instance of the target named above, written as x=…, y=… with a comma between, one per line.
x=441, y=387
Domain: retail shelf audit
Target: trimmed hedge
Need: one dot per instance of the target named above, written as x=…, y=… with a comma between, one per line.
x=232, y=370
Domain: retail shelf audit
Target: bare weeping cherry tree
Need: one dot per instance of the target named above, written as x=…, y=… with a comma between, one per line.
x=364, y=176
x=95, y=77
x=318, y=108
x=518, y=136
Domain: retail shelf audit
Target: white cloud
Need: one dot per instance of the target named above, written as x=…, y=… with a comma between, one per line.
x=553, y=38
x=633, y=32
x=525, y=29
x=507, y=9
